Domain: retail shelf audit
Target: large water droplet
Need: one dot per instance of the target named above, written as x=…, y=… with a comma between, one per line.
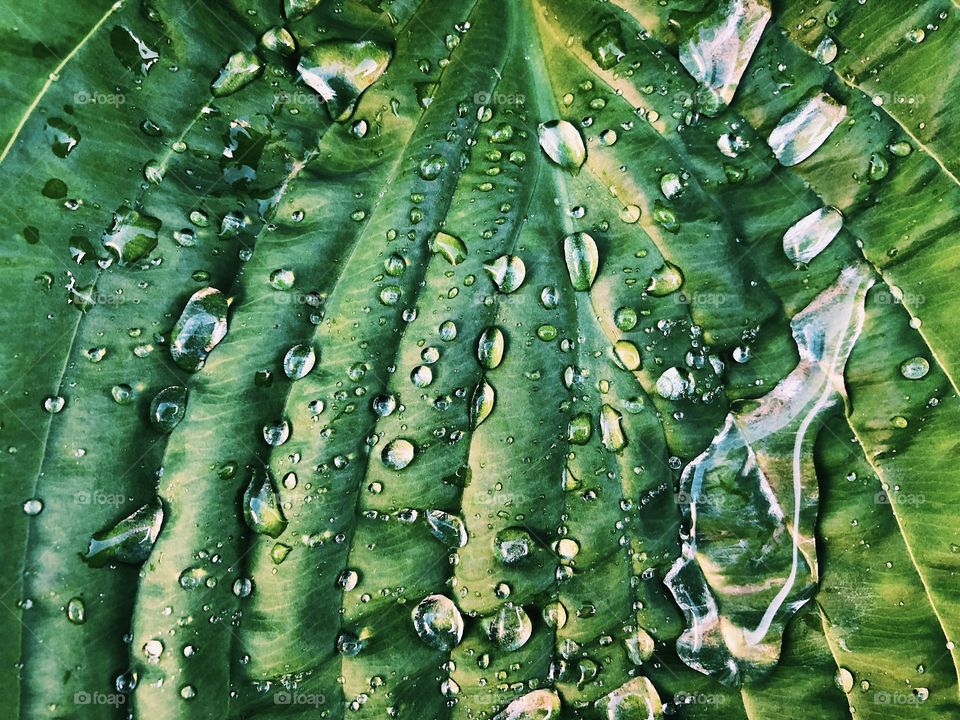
x=241, y=69
x=450, y=247
x=490, y=347
x=132, y=235
x=201, y=327
x=448, y=529
x=535, y=705
x=398, y=454
x=582, y=258
x=514, y=545
x=507, y=272
x=510, y=627
x=299, y=361
x=340, y=71
x=481, y=404
x=637, y=699
x=130, y=540
x=563, y=144
x=611, y=430
x=296, y=9
x=805, y=128
x=811, y=235
x=262, y=510
x=131, y=51
x=719, y=49
x=62, y=136
x=168, y=408
x=438, y=622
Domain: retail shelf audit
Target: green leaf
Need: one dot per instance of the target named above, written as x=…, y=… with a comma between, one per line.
x=477, y=306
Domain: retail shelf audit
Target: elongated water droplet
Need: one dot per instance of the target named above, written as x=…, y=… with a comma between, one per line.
x=262, y=510
x=811, y=235
x=580, y=429
x=130, y=540
x=720, y=47
x=507, y=272
x=582, y=258
x=168, y=408
x=201, y=327
x=481, y=404
x=299, y=361
x=76, y=611
x=510, y=627
x=805, y=128
x=563, y=144
x=296, y=9
x=340, y=71
x=611, y=430
x=490, y=347
x=826, y=51
x=241, y=69
x=132, y=235
x=606, y=45
x=450, y=247
x=438, y=622
x=626, y=355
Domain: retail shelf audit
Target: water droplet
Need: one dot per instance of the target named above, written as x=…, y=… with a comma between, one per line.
x=718, y=49
x=582, y=258
x=448, y=529
x=507, y=272
x=241, y=69
x=276, y=433
x=611, y=430
x=54, y=404
x=513, y=546
x=665, y=280
x=421, y=376
x=438, y=622
x=398, y=454
x=626, y=355
x=122, y=394
x=131, y=51
x=805, y=128
x=76, y=611
x=826, y=51
x=674, y=384
x=915, y=368
x=299, y=360
x=132, y=235
x=510, y=627
x=535, y=705
x=490, y=347
x=62, y=136
x=262, y=510
x=563, y=144
x=580, y=429
x=432, y=167
x=33, y=506
x=811, y=235
x=450, y=247
x=201, y=327
x=168, y=408
x=481, y=404
x=844, y=680
x=340, y=71
x=130, y=540
x=278, y=40
x=296, y=9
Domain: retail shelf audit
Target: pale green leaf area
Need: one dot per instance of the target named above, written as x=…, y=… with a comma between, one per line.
x=478, y=359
